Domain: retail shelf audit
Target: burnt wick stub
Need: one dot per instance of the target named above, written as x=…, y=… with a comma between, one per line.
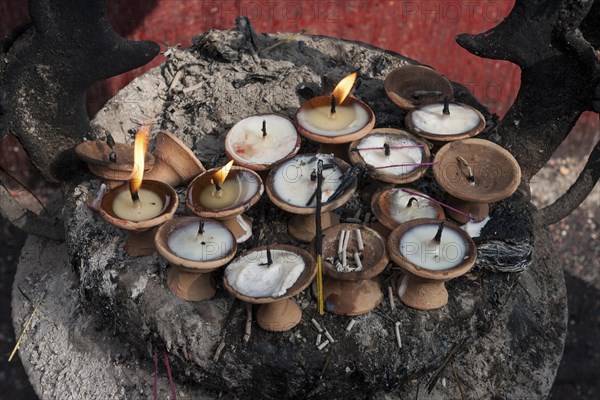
x=333, y=100
x=438, y=236
x=386, y=149
x=411, y=201
x=110, y=141
x=200, y=228
x=264, y=128
x=112, y=157
x=465, y=164
x=446, y=110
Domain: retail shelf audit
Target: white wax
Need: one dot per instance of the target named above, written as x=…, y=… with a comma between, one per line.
x=292, y=181
x=247, y=276
x=417, y=246
x=216, y=241
x=247, y=143
x=421, y=208
x=151, y=206
x=430, y=118
x=377, y=158
x=474, y=228
x=348, y=119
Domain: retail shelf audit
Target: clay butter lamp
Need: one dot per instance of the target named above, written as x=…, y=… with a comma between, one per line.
x=291, y=186
x=430, y=253
x=225, y=194
x=350, y=263
x=336, y=119
x=261, y=141
x=445, y=121
x=475, y=172
x=395, y=206
x=269, y=276
x=140, y=205
x=113, y=162
x=411, y=86
x=194, y=247
x=175, y=162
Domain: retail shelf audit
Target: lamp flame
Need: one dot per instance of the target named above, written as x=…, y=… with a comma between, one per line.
x=221, y=174
x=139, y=154
x=343, y=89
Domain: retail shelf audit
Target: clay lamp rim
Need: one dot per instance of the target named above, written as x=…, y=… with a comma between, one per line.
x=374, y=260
x=95, y=153
x=161, y=242
x=166, y=193
x=279, y=202
x=181, y=146
x=203, y=180
x=477, y=152
x=446, y=138
x=402, y=82
x=380, y=175
x=393, y=247
x=305, y=279
x=381, y=204
x=266, y=166
x=325, y=100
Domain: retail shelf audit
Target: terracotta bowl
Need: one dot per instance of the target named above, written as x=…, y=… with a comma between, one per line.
x=382, y=206
x=353, y=293
x=423, y=288
x=402, y=82
x=233, y=216
x=95, y=154
x=381, y=175
x=278, y=314
x=175, y=162
x=190, y=279
x=140, y=241
x=260, y=167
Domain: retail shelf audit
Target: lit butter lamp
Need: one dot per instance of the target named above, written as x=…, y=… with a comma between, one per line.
x=260, y=141
x=269, y=276
x=430, y=253
x=225, y=194
x=412, y=86
x=445, y=121
x=140, y=205
x=112, y=162
x=336, y=119
x=353, y=256
x=395, y=206
x=475, y=172
x=194, y=248
x=292, y=186
x=175, y=163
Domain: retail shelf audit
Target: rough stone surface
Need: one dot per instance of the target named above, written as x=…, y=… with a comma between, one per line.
x=505, y=331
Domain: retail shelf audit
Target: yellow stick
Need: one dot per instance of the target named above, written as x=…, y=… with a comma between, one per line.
x=320, y=284
x=23, y=332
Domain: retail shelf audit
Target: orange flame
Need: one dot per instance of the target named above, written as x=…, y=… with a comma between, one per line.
x=343, y=89
x=221, y=174
x=139, y=154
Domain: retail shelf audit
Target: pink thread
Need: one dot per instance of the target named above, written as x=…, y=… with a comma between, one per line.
x=155, y=374
x=170, y=377
x=391, y=147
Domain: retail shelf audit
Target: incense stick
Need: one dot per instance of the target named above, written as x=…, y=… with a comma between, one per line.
x=25, y=328
x=437, y=202
x=319, y=236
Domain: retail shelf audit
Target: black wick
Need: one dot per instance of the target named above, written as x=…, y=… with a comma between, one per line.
x=217, y=186
x=200, y=228
x=333, y=104
x=411, y=201
x=110, y=141
x=446, y=109
x=264, y=128
x=269, y=258
x=386, y=149
x=438, y=235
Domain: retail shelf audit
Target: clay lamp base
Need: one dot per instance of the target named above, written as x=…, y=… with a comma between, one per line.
x=277, y=314
x=475, y=172
x=252, y=148
x=354, y=292
x=97, y=156
x=422, y=284
x=248, y=188
x=140, y=240
x=433, y=123
x=411, y=86
x=391, y=208
x=175, y=162
x=334, y=142
x=188, y=278
x=290, y=176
